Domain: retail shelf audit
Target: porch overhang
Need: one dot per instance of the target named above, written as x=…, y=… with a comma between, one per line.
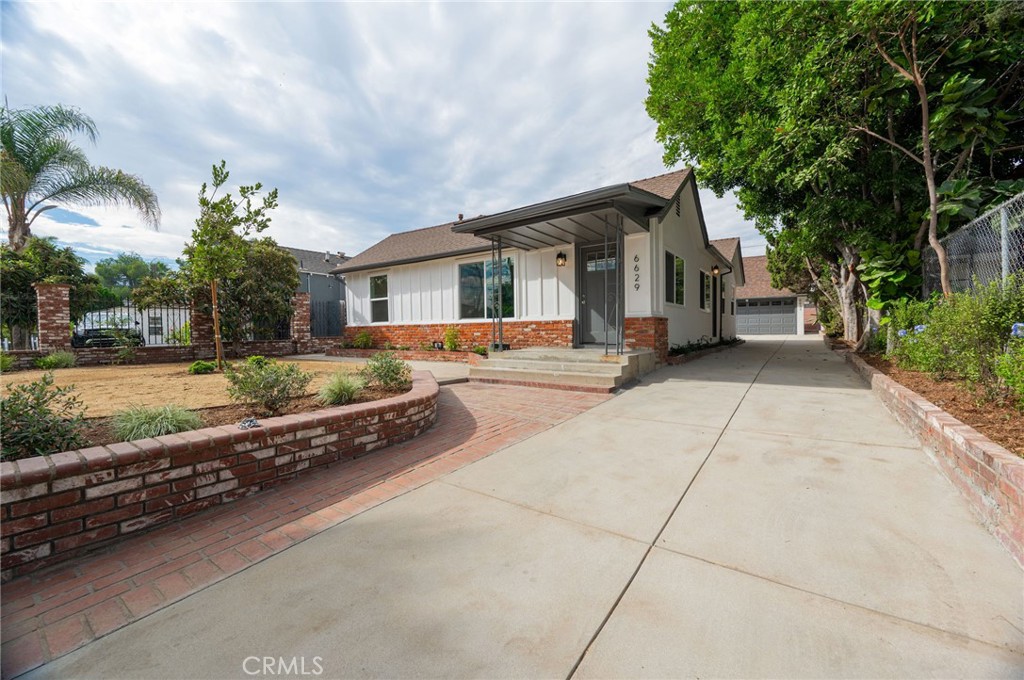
x=582, y=218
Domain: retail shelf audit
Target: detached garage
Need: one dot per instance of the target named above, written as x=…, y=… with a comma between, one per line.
x=763, y=310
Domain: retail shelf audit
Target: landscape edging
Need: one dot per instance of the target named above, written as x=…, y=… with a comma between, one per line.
x=57, y=506
x=988, y=475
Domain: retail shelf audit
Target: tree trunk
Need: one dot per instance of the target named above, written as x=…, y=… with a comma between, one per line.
x=17, y=224
x=847, y=293
x=216, y=326
x=20, y=338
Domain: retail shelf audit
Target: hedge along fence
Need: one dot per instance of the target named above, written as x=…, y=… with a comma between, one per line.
x=989, y=476
x=55, y=507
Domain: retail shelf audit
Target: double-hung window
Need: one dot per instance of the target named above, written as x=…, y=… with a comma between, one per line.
x=480, y=288
x=675, y=279
x=379, y=298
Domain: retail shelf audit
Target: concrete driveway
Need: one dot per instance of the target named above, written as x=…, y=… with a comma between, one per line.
x=756, y=513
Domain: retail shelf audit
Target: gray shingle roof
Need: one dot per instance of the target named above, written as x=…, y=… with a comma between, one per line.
x=440, y=241
x=758, y=282
x=314, y=261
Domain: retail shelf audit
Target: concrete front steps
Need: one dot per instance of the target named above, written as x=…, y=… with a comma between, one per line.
x=578, y=370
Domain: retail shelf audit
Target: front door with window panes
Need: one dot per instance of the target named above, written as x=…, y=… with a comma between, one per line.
x=598, y=319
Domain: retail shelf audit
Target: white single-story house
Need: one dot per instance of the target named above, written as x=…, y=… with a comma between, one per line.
x=763, y=310
x=627, y=266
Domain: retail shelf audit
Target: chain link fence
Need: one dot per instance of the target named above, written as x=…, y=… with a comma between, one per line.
x=986, y=249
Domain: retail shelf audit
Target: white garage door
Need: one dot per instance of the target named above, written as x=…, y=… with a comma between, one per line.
x=766, y=317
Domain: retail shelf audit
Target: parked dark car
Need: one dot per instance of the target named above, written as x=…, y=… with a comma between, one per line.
x=107, y=337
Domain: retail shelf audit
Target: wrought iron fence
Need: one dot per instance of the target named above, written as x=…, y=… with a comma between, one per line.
x=127, y=323
x=987, y=249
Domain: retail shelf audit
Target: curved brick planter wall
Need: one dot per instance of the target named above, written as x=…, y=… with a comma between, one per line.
x=54, y=507
x=989, y=476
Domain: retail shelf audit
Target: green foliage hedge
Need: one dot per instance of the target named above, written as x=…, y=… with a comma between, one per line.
x=387, y=371
x=266, y=383
x=54, y=360
x=202, y=367
x=966, y=336
x=40, y=418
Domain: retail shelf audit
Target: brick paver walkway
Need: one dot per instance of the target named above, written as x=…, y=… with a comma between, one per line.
x=55, y=611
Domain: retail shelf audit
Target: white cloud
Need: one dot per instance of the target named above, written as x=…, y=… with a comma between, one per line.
x=369, y=118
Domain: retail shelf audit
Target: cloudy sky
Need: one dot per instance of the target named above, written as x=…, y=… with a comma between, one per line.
x=368, y=118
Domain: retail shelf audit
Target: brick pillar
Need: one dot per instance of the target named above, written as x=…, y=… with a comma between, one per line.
x=202, y=334
x=301, y=331
x=53, y=301
x=648, y=332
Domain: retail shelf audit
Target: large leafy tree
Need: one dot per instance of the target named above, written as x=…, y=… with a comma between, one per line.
x=42, y=261
x=126, y=271
x=40, y=167
x=778, y=101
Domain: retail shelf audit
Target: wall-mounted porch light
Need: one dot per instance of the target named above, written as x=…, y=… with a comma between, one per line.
x=561, y=259
x=715, y=270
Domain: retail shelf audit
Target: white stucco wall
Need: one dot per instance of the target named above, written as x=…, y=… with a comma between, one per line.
x=428, y=292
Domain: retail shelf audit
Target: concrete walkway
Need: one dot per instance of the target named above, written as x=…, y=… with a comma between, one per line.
x=754, y=513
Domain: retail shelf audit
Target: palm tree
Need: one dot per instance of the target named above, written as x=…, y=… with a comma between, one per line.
x=39, y=164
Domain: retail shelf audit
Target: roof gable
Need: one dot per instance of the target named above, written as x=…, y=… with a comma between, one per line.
x=758, y=282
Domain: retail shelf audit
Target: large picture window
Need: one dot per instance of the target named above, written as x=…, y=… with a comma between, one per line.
x=675, y=279
x=379, y=298
x=705, y=287
x=476, y=292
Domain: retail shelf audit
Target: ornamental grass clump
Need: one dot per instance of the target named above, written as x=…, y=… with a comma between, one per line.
x=387, y=371
x=341, y=388
x=266, y=383
x=40, y=418
x=141, y=422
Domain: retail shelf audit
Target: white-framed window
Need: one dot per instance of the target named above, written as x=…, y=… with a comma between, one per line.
x=675, y=279
x=705, y=287
x=477, y=293
x=721, y=287
x=156, y=324
x=379, y=298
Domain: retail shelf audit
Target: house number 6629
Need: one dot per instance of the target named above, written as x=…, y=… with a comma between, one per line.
x=636, y=272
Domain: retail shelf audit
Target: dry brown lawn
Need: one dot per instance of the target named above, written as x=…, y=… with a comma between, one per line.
x=106, y=389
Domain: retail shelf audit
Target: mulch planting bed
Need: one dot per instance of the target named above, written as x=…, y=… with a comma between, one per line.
x=100, y=431
x=1003, y=423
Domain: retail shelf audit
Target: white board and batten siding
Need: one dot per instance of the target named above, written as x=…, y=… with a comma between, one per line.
x=428, y=292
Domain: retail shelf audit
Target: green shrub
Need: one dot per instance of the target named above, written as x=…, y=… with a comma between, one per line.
x=140, y=422
x=451, y=338
x=363, y=340
x=1009, y=366
x=202, y=367
x=6, y=362
x=387, y=371
x=481, y=350
x=54, y=360
x=341, y=388
x=960, y=336
x=40, y=418
x=266, y=383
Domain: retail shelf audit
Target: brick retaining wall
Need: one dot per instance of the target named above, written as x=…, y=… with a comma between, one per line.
x=54, y=507
x=989, y=476
x=648, y=332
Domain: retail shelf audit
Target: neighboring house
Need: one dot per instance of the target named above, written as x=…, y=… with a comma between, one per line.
x=157, y=325
x=763, y=310
x=326, y=289
x=554, y=271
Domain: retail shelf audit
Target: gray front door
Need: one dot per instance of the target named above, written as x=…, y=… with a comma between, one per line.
x=597, y=320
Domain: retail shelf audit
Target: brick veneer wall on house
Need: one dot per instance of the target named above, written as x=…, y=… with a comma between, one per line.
x=989, y=476
x=648, y=332
x=54, y=507
x=517, y=334
x=411, y=355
